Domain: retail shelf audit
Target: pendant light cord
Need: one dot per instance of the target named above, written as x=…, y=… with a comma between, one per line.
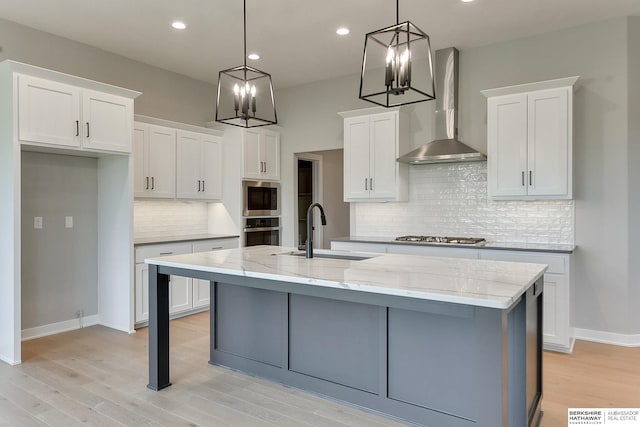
x=244, y=12
x=397, y=11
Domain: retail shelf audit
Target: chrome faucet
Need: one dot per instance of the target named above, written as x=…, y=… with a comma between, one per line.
x=309, y=243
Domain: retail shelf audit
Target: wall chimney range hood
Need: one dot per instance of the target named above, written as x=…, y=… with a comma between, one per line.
x=445, y=148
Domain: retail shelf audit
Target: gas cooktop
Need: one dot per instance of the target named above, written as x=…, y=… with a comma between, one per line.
x=476, y=241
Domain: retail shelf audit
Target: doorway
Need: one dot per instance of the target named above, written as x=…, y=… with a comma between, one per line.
x=309, y=191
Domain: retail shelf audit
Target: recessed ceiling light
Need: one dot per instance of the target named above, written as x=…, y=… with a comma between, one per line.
x=253, y=56
x=343, y=31
x=178, y=25
x=467, y=1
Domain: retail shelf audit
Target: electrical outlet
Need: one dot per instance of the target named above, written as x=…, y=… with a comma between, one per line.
x=68, y=222
x=37, y=222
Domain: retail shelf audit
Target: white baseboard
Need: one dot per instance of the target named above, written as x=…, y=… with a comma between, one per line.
x=10, y=361
x=625, y=340
x=56, y=328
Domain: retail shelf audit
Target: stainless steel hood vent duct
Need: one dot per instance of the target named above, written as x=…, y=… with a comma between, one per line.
x=445, y=148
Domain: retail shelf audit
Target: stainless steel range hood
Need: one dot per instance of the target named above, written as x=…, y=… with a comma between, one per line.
x=445, y=148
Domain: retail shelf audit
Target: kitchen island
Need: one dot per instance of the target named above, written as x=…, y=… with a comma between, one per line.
x=435, y=341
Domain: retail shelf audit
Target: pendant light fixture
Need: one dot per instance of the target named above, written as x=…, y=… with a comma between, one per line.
x=397, y=67
x=245, y=94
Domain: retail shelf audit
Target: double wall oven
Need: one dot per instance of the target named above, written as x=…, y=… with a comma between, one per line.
x=261, y=211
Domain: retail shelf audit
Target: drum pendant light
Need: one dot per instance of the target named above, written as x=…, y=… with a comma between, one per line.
x=245, y=94
x=397, y=66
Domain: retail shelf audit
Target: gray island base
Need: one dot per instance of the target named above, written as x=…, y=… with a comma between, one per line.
x=412, y=350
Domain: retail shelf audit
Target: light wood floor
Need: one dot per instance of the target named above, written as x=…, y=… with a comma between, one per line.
x=97, y=376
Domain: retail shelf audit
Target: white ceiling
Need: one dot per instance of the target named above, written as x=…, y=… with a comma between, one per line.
x=295, y=38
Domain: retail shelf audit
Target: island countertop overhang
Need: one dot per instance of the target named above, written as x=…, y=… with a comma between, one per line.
x=482, y=283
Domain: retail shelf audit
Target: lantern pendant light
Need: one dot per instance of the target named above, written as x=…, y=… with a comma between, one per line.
x=245, y=94
x=397, y=66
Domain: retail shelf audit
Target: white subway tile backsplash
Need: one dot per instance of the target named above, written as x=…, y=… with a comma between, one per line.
x=451, y=199
x=152, y=218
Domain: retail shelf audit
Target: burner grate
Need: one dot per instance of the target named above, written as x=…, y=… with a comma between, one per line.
x=442, y=239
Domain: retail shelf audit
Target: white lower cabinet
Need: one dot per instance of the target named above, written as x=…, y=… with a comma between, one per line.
x=186, y=295
x=201, y=292
x=142, y=292
x=180, y=294
x=557, y=331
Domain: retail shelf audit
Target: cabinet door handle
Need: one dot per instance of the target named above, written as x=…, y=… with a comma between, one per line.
x=530, y=178
x=371, y=184
x=87, y=129
x=166, y=253
x=203, y=185
x=523, y=178
x=147, y=186
x=77, y=127
x=153, y=183
x=216, y=248
x=365, y=185
x=198, y=185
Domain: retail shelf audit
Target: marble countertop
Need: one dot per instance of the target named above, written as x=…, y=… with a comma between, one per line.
x=138, y=241
x=483, y=283
x=510, y=246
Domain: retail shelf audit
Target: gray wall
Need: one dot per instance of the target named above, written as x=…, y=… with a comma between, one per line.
x=166, y=95
x=604, y=153
x=633, y=159
x=59, y=266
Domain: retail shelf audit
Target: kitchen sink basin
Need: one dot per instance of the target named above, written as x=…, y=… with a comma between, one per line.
x=333, y=255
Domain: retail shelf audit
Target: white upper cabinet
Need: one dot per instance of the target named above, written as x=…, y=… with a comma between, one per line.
x=199, y=166
x=261, y=154
x=372, y=143
x=154, y=154
x=63, y=115
x=529, y=138
x=106, y=121
x=48, y=112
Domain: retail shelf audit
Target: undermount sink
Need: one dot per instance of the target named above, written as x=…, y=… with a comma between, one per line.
x=333, y=255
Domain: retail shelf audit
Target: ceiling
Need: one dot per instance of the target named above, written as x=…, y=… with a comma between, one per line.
x=295, y=38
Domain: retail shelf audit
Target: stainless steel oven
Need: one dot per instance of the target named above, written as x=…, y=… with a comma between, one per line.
x=261, y=231
x=261, y=198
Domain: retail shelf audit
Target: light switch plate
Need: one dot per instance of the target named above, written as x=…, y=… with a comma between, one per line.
x=37, y=222
x=68, y=222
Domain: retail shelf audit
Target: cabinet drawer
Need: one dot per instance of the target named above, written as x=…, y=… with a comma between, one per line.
x=215, y=244
x=556, y=263
x=149, y=251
